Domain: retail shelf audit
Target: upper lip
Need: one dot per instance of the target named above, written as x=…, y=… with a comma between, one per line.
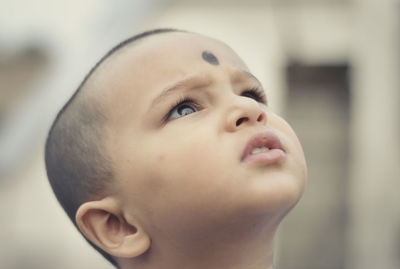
x=263, y=139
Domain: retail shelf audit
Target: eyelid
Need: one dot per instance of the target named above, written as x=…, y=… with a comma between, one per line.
x=179, y=101
x=259, y=93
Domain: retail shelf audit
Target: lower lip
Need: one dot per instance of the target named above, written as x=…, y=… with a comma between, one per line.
x=273, y=156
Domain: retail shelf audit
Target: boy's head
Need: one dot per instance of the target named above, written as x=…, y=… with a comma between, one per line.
x=168, y=142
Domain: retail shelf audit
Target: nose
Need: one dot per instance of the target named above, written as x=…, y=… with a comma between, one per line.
x=244, y=111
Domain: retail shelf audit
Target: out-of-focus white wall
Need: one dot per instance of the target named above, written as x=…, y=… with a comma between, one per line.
x=374, y=234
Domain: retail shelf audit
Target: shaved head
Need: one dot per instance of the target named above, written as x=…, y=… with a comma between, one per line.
x=76, y=156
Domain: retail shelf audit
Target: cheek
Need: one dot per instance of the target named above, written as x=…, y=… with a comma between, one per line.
x=284, y=127
x=186, y=159
x=190, y=167
x=172, y=176
x=183, y=149
x=293, y=145
x=186, y=184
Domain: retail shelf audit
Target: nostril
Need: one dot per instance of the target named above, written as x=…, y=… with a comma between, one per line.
x=260, y=118
x=241, y=120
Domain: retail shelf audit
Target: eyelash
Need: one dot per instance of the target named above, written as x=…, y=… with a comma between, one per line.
x=180, y=101
x=254, y=93
x=257, y=94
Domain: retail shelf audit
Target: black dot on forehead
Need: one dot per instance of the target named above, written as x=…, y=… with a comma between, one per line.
x=210, y=57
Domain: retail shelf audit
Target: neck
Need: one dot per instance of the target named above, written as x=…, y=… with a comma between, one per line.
x=231, y=249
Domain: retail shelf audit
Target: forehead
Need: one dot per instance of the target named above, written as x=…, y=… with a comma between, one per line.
x=139, y=71
x=182, y=48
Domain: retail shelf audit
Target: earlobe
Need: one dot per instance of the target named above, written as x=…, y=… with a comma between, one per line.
x=103, y=224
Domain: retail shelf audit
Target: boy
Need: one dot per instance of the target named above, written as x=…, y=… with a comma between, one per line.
x=167, y=157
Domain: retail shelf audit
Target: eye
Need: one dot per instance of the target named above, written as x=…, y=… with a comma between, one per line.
x=183, y=108
x=256, y=94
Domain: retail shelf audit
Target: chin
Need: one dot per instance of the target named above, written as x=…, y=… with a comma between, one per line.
x=276, y=194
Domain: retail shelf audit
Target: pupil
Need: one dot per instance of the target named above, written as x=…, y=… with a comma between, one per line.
x=185, y=110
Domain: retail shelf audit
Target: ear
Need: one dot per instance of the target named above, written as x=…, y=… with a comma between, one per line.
x=102, y=222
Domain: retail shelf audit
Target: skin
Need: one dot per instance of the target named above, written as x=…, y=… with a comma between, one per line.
x=180, y=181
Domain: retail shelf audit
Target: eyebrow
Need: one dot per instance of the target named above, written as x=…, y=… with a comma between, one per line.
x=196, y=81
x=236, y=76
x=190, y=82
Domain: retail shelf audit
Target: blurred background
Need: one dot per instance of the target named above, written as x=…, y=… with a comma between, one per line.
x=330, y=67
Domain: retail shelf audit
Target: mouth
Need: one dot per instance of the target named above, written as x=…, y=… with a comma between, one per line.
x=264, y=148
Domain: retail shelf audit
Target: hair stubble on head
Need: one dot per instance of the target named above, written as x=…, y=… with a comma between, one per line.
x=77, y=161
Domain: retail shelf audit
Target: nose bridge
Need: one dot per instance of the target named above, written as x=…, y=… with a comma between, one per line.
x=243, y=111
